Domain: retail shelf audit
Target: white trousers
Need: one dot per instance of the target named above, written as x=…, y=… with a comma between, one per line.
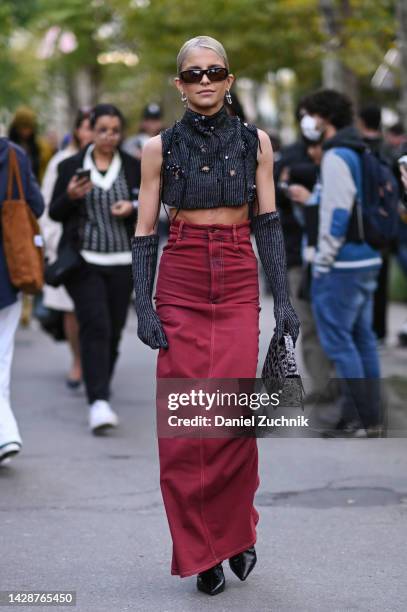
x=9, y=318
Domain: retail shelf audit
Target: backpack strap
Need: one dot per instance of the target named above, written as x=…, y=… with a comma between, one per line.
x=353, y=161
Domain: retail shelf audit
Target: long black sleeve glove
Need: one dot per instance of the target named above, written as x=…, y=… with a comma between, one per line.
x=270, y=245
x=144, y=255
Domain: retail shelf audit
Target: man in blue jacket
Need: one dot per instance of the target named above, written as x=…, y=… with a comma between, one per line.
x=345, y=267
x=10, y=302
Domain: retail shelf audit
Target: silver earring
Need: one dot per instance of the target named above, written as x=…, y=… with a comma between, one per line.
x=228, y=97
x=183, y=99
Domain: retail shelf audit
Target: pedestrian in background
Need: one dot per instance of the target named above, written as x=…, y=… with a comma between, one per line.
x=396, y=139
x=24, y=132
x=402, y=237
x=98, y=212
x=57, y=298
x=297, y=174
x=10, y=299
x=345, y=266
x=304, y=189
x=370, y=128
x=151, y=125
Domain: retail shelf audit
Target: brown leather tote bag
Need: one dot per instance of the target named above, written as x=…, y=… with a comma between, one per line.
x=22, y=240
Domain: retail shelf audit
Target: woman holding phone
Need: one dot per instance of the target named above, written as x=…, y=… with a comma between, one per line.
x=215, y=172
x=57, y=298
x=95, y=198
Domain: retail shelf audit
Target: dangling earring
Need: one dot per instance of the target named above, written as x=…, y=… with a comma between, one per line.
x=228, y=97
x=184, y=99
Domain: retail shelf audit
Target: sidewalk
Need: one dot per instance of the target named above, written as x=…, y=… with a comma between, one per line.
x=85, y=513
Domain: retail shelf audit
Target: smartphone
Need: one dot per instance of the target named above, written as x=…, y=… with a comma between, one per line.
x=81, y=173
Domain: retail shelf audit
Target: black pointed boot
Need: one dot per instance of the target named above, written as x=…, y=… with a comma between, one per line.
x=211, y=581
x=243, y=563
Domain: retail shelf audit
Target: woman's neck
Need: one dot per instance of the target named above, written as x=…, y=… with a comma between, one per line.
x=102, y=160
x=206, y=111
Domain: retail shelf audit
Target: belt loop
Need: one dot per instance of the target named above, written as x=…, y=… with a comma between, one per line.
x=235, y=241
x=181, y=225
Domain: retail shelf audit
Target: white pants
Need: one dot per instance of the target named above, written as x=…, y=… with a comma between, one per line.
x=9, y=318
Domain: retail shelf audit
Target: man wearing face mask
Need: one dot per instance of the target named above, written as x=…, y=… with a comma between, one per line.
x=345, y=267
x=299, y=184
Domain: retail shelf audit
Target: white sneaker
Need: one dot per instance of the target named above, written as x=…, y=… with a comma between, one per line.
x=7, y=451
x=101, y=416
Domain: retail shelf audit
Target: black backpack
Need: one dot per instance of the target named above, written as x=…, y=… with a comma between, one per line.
x=377, y=197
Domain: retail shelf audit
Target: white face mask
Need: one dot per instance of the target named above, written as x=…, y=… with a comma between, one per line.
x=310, y=129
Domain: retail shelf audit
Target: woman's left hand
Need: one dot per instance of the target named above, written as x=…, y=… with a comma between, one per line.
x=299, y=194
x=122, y=208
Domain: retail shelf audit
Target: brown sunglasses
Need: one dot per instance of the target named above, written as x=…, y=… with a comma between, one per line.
x=194, y=75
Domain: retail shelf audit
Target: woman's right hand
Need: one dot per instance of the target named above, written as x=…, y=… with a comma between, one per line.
x=150, y=330
x=78, y=188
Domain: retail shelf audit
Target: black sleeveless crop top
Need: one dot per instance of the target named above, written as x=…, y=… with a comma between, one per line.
x=209, y=161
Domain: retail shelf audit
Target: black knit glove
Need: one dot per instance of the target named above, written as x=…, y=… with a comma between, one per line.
x=270, y=245
x=144, y=254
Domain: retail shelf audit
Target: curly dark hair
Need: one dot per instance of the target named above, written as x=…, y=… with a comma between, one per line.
x=330, y=105
x=371, y=115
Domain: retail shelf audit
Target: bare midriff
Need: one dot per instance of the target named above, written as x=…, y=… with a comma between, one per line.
x=225, y=215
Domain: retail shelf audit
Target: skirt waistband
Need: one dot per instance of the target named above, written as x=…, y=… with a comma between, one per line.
x=211, y=230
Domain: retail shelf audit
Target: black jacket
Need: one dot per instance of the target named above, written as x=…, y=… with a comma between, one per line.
x=292, y=155
x=72, y=213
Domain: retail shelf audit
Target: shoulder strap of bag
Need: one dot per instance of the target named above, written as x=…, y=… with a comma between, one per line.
x=354, y=163
x=353, y=160
x=14, y=171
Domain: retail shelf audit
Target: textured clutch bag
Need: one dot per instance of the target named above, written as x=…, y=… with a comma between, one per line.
x=280, y=372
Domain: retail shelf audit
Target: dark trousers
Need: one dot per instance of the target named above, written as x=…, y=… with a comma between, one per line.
x=101, y=295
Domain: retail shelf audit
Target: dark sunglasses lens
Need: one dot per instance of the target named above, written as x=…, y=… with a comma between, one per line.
x=191, y=76
x=217, y=74
x=195, y=76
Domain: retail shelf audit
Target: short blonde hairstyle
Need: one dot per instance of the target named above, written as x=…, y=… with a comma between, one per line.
x=206, y=42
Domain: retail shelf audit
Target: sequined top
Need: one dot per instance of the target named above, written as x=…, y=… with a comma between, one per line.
x=209, y=161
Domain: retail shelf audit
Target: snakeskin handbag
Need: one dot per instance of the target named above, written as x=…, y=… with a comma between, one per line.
x=280, y=372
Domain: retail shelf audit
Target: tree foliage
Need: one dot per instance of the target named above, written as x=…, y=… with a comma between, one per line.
x=259, y=35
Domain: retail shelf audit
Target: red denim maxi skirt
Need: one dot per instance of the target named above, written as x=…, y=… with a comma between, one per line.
x=207, y=298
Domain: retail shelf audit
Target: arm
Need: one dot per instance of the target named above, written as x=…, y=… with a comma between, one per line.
x=68, y=194
x=51, y=231
x=270, y=243
x=264, y=175
x=149, y=196
x=32, y=190
x=144, y=246
x=61, y=206
x=337, y=198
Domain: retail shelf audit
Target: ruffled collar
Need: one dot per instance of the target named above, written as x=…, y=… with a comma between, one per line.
x=206, y=124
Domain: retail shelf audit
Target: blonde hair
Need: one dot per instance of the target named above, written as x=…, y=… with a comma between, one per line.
x=206, y=42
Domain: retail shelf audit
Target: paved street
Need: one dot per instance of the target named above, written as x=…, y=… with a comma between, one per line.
x=85, y=513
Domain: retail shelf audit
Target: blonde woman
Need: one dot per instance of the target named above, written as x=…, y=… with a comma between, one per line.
x=215, y=171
